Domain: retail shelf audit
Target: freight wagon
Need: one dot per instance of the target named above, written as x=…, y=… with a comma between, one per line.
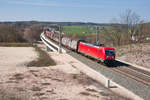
x=99, y=52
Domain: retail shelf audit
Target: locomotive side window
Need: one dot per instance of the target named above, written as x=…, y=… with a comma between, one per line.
x=109, y=52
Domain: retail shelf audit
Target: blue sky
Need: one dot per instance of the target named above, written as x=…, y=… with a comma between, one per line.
x=100, y=11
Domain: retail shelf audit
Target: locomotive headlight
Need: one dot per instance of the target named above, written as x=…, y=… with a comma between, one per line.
x=112, y=57
x=107, y=57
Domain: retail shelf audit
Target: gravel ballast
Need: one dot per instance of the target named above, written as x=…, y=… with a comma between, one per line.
x=132, y=85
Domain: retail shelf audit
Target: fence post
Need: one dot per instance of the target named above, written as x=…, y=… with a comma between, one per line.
x=108, y=83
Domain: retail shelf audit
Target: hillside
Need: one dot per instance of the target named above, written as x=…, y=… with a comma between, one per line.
x=136, y=53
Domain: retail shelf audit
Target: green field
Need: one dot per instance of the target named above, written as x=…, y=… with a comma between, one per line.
x=87, y=33
x=78, y=30
x=82, y=30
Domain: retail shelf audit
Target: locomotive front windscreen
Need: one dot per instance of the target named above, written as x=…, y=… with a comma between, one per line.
x=109, y=52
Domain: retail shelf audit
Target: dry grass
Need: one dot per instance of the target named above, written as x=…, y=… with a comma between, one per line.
x=5, y=95
x=35, y=88
x=74, y=76
x=43, y=60
x=85, y=93
x=104, y=94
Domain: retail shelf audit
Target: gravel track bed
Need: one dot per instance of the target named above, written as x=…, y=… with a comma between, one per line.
x=132, y=85
x=140, y=75
x=140, y=70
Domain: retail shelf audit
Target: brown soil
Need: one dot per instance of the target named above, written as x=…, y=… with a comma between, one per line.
x=60, y=82
x=136, y=53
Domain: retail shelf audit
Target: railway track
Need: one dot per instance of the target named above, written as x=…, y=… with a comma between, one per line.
x=134, y=79
x=134, y=74
x=126, y=70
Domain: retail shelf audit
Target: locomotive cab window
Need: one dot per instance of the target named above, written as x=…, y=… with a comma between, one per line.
x=109, y=52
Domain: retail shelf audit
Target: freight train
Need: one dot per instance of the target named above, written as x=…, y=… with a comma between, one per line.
x=99, y=52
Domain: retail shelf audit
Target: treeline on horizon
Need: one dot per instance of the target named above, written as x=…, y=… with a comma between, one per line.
x=55, y=23
x=13, y=32
x=61, y=23
x=29, y=31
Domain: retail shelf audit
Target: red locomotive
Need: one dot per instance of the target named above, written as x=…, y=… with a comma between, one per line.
x=104, y=54
x=101, y=53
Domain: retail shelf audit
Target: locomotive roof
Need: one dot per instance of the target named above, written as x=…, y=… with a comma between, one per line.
x=89, y=44
x=96, y=46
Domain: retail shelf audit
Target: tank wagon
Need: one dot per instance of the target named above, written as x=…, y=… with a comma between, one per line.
x=99, y=52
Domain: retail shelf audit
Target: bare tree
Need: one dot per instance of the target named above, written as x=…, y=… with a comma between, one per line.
x=32, y=34
x=131, y=20
x=122, y=29
x=8, y=33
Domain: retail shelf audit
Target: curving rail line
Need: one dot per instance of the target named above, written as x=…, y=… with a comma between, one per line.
x=50, y=44
x=129, y=71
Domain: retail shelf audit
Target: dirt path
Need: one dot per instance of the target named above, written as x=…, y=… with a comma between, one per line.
x=60, y=82
x=15, y=58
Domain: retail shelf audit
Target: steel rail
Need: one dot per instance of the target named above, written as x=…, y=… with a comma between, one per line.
x=129, y=75
x=124, y=72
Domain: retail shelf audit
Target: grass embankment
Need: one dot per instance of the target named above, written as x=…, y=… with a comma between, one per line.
x=43, y=60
